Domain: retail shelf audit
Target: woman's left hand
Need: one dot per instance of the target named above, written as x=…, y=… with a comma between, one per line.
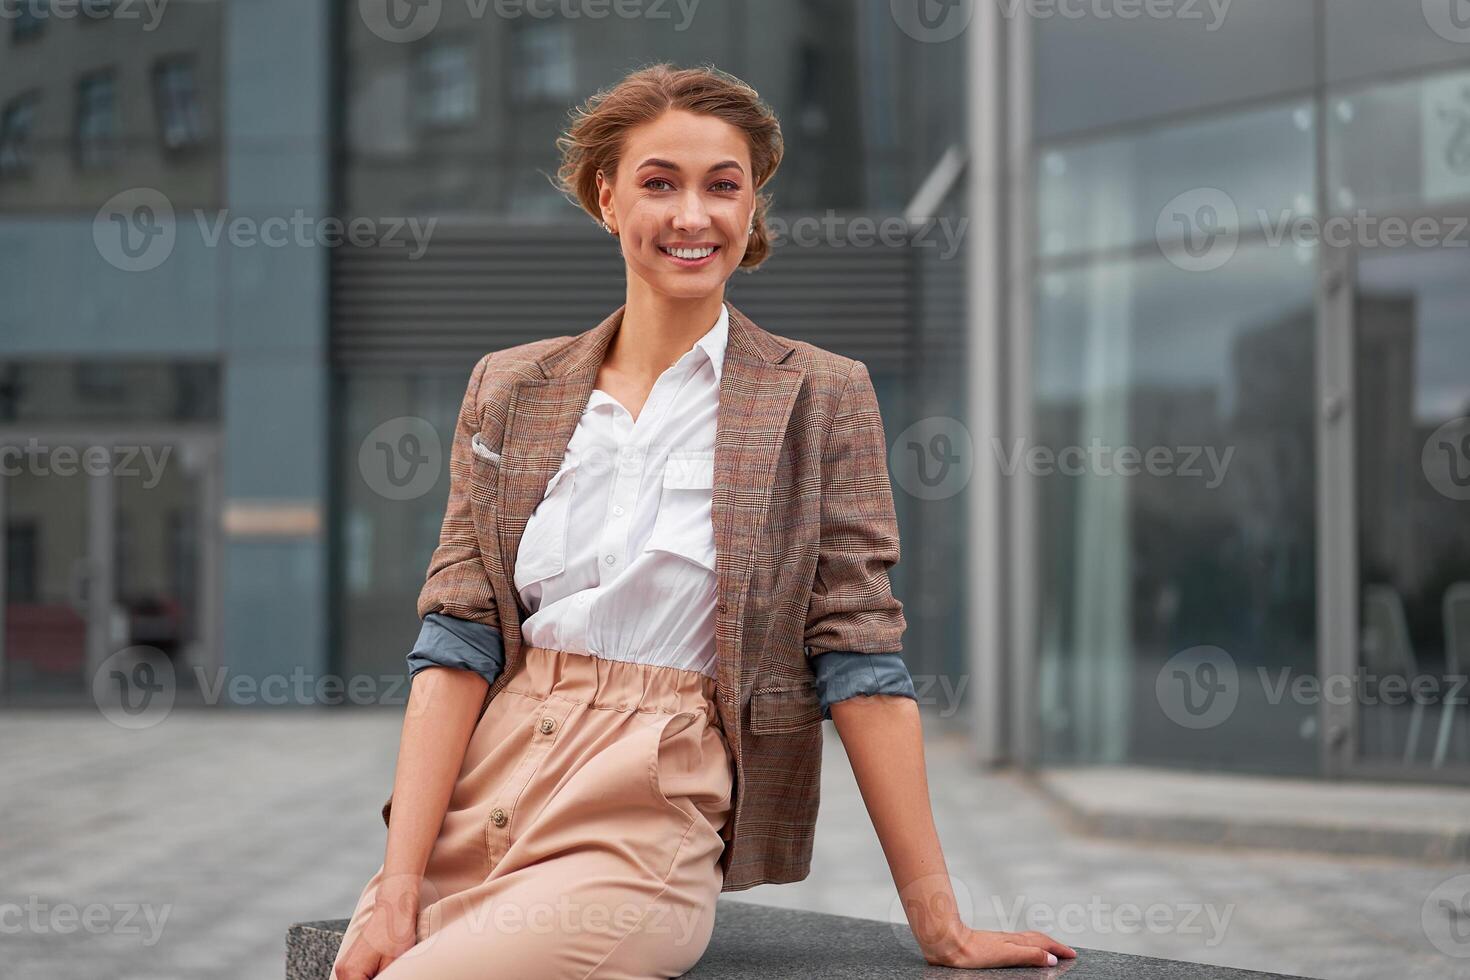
x=968, y=948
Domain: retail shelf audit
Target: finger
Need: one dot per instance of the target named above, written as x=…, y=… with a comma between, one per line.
x=1018, y=955
x=1046, y=942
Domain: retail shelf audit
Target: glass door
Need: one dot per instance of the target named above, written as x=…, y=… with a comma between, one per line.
x=1409, y=615
x=108, y=547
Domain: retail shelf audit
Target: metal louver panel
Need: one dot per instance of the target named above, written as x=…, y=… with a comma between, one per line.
x=485, y=286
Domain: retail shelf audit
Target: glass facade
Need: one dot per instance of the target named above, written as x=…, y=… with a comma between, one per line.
x=1189, y=241
x=464, y=119
x=462, y=122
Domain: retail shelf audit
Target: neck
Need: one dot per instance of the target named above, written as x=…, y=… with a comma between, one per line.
x=658, y=329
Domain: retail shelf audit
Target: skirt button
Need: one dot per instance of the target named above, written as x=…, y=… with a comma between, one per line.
x=547, y=725
x=497, y=817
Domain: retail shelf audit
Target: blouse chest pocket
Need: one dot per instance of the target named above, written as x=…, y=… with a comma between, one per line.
x=683, y=526
x=542, y=553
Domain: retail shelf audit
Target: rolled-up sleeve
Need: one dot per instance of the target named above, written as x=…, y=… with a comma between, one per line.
x=456, y=583
x=446, y=641
x=852, y=605
x=842, y=675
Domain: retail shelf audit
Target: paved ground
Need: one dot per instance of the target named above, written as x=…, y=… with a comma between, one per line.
x=185, y=850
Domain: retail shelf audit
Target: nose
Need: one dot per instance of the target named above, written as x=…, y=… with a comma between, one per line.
x=690, y=213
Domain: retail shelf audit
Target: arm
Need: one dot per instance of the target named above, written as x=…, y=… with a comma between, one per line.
x=853, y=610
x=443, y=707
x=451, y=668
x=884, y=741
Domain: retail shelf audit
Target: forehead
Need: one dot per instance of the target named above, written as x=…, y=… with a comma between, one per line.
x=686, y=138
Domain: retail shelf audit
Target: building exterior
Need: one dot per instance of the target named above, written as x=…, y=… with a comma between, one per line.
x=1177, y=418
x=1201, y=243
x=262, y=245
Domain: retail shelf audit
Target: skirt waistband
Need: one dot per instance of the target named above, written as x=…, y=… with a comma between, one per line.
x=619, y=684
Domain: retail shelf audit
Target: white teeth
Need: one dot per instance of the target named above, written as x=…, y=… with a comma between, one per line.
x=690, y=253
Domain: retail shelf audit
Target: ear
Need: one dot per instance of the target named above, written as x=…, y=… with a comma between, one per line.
x=604, y=198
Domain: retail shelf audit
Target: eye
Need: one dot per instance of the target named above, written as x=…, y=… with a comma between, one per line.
x=728, y=184
x=655, y=180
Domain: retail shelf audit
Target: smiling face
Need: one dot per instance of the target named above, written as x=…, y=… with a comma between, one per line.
x=681, y=202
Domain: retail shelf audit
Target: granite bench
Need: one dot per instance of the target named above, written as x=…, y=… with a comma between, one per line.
x=775, y=944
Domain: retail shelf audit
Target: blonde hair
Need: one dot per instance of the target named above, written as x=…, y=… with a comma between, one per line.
x=594, y=140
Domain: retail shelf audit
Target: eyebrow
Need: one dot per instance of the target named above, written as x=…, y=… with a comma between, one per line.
x=668, y=165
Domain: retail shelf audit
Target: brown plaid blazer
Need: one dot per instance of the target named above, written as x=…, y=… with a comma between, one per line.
x=805, y=533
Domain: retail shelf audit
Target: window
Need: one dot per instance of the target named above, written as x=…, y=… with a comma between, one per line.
x=176, y=101
x=541, y=62
x=16, y=123
x=28, y=21
x=1099, y=72
x=96, y=121
x=446, y=85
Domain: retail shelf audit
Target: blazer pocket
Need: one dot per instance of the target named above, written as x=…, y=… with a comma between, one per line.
x=785, y=709
x=483, y=451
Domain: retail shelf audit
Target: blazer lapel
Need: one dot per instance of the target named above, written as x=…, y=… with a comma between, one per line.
x=757, y=395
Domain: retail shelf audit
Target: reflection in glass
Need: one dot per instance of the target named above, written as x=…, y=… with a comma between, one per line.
x=1179, y=512
x=1405, y=145
x=1110, y=194
x=1413, y=482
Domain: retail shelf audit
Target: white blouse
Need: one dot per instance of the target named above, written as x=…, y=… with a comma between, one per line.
x=618, y=559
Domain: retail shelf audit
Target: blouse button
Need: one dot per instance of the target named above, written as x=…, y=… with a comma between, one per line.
x=547, y=725
x=497, y=817
x=609, y=559
x=618, y=510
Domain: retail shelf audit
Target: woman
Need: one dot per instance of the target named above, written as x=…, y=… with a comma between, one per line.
x=694, y=518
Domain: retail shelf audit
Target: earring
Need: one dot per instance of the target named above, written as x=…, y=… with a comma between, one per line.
x=607, y=228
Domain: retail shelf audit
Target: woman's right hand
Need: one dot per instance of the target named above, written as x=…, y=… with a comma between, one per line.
x=391, y=930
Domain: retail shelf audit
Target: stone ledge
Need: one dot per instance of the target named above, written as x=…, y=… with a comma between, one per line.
x=781, y=944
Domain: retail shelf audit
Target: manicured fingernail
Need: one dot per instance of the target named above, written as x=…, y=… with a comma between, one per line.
x=1051, y=959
